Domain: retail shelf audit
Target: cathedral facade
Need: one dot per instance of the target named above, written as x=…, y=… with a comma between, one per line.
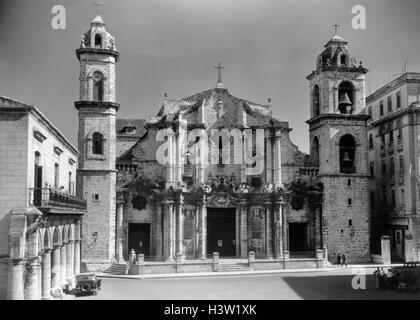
x=212, y=172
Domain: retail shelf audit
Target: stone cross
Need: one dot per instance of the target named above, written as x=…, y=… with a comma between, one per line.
x=97, y=5
x=219, y=70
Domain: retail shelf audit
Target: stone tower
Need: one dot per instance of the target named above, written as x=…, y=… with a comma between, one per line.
x=339, y=147
x=96, y=176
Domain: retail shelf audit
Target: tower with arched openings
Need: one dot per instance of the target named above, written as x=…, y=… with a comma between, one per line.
x=339, y=148
x=97, y=109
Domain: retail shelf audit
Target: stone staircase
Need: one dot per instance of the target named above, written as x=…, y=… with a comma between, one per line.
x=232, y=267
x=117, y=268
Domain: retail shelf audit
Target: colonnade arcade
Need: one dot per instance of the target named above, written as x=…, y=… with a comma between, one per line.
x=52, y=258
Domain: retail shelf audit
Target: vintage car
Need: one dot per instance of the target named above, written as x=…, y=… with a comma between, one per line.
x=87, y=283
x=408, y=275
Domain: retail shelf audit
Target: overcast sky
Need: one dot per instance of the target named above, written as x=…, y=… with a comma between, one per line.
x=267, y=46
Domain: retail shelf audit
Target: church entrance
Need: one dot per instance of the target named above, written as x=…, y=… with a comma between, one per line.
x=139, y=238
x=297, y=237
x=221, y=231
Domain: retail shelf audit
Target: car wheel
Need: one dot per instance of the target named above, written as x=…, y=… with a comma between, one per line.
x=86, y=287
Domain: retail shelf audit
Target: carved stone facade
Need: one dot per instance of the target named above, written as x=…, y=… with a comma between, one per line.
x=212, y=172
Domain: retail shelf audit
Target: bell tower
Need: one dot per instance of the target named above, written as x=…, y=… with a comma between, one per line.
x=97, y=110
x=339, y=147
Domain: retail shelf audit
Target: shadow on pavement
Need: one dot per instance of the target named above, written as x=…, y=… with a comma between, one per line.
x=339, y=287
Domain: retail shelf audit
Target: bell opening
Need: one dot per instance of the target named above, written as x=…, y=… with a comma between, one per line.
x=345, y=94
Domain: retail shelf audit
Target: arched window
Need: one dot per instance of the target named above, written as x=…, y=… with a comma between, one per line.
x=98, y=40
x=346, y=97
x=347, y=154
x=315, y=152
x=316, y=100
x=98, y=86
x=370, y=141
x=343, y=60
x=97, y=143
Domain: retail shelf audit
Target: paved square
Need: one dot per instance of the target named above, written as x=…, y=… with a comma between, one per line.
x=334, y=284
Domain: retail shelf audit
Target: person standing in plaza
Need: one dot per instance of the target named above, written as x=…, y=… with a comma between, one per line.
x=339, y=258
x=343, y=260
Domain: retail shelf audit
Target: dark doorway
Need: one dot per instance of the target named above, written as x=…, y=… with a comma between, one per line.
x=139, y=238
x=297, y=237
x=221, y=231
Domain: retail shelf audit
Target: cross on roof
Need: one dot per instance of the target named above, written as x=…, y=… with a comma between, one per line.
x=219, y=70
x=335, y=28
x=97, y=4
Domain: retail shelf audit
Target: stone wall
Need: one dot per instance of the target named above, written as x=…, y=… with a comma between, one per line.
x=346, y=228
x=4, y=270
x=100, y=217
x=13, y=170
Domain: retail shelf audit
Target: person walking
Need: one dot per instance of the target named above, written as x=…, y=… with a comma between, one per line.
x=343, y=260
x=339, y=257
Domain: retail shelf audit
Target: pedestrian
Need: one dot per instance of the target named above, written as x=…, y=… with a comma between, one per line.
x=339, y=259
x=382, y=282
x=343, y=260
x=376, y=274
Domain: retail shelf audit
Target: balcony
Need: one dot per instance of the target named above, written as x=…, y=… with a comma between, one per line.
x=53, y=200
x=309, y=171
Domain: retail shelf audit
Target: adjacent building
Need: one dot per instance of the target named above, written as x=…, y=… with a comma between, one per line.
x=394, y=149
x=40, y=215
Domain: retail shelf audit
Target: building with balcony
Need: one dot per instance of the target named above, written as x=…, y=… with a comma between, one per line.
x=40, y=214
x=394, y=148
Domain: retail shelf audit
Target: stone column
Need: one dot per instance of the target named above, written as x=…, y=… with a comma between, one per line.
x=278, y=230
x=56, y=273
x=268, y=230
x=386, y=249
x=268, y=159
x=202, y=158
x=69, y=260
x=76, y=244
x=120, y=232
x=179, y=144
x=180, y=227
x=283, y=237
x=170, y=164
x=408, y=248
x=15, y=288
x=202, y=228
x=46, y=274
x=169, y=218
x=32, y=282
x=244, y=229
x=40, y=278
x=277, y=160
x=63, y=267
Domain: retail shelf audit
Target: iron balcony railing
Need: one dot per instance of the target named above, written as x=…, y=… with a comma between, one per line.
x=50, y=197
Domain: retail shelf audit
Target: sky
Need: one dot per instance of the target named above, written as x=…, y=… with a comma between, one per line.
x=268, y=47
